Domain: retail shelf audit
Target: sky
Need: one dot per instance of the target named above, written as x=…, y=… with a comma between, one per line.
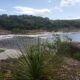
x=53, y=9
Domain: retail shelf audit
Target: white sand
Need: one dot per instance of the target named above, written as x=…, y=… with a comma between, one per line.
x=12, y=53
x=6, y=36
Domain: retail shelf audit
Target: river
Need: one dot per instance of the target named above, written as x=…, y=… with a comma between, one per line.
x=12, y=43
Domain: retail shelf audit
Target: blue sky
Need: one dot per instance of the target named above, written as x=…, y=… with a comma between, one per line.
x=54, y=9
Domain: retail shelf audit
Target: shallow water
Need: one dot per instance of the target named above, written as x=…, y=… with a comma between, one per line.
x=12, y=43
x=73, y=36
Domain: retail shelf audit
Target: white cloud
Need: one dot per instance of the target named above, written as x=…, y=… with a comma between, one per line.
x=71, y=17
x=49, y=1
x=68, y=3
x=2, y=10
x=58, y=8
x=32, y=11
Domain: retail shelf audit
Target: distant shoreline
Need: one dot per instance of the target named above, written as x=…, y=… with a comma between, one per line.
x=28, y=32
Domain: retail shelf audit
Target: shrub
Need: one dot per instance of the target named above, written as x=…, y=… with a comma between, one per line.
x=2, y=50
x=17, y=30
x=77, y=56
x=62, y=48
x=38, y=64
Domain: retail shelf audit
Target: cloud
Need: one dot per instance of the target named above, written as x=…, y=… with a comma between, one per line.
x=58, y=8
x=2, y=10
x=32, y=11
x=68, y=3
x=71, y=17
x=49, y=1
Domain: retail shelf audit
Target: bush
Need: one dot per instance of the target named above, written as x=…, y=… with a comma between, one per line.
x=43, y=62
x=29, y=66
x=77, y=56
x=2, y=50
x=17, y=30
x=62, y=48
x=38, y=64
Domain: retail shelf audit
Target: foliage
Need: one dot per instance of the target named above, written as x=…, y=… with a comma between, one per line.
x=77, y=56
x=62, y=48
x=66, y=49
x=2, y=50
x=42, y=62
x=18, y=23
x=39, y=64
x=29, y=66
x=17, y=30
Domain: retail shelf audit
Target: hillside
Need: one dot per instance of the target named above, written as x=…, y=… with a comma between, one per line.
x=21, y=23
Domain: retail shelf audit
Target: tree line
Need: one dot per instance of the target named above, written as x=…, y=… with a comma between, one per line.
x=29, y=22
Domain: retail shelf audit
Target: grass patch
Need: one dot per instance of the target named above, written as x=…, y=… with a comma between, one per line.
x=1, y=50
x=39, y=64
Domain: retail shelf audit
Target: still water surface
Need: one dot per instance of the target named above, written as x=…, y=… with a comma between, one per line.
x=12, y=43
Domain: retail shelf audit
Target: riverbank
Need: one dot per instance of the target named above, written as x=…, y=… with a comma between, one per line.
x=10, y=41
x=29, y=32
x=58, y=66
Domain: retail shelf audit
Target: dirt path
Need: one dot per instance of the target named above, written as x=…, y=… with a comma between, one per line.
x=73, y=68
